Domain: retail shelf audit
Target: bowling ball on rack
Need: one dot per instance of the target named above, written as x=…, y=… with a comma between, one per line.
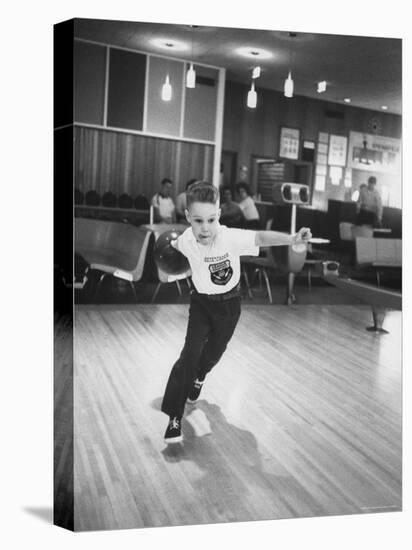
x=167, y=257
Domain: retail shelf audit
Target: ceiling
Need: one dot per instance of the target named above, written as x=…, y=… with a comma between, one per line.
x=367, y=70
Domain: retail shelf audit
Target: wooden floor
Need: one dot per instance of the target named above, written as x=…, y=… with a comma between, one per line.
x=302, y=417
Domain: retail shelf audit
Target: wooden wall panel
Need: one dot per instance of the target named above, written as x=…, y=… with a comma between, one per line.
x=134, y=164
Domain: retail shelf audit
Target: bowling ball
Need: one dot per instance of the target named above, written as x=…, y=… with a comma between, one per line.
x=168, y=259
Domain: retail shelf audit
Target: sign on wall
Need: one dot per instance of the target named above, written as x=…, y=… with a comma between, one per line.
x=374, y=153
x=337, y=150
x=289, y=143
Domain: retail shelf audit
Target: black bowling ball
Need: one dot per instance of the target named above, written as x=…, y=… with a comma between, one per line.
x=168, y=259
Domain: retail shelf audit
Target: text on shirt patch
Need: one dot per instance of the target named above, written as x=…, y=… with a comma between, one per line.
x=221, y=273
x=216, y=258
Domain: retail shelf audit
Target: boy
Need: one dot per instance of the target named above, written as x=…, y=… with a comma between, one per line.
x=213, y=251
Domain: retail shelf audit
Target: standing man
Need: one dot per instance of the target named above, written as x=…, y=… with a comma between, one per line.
x=369, y=205
x=164, y=207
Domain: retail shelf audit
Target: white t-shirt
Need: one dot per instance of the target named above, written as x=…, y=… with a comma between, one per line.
x=249, y=209
x=181, y=203
x=165, y=205
x=216, y=267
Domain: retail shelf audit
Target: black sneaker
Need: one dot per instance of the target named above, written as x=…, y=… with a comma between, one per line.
x=174, y=431
x=195, y=391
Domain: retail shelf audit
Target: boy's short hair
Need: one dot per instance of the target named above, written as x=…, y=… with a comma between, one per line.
x=202, y=191
x=166, y=180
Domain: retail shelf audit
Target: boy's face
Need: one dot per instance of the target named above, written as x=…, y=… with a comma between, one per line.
x=204, y=219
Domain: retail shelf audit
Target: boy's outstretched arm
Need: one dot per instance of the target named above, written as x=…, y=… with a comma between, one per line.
x=274, y=238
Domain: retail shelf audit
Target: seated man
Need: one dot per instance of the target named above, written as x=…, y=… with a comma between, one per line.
x=164, y=207
x=231, y=213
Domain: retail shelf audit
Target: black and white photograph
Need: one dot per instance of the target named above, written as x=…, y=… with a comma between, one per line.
x=187, y=410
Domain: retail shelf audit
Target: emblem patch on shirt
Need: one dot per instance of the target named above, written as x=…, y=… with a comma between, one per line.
x=221, y=273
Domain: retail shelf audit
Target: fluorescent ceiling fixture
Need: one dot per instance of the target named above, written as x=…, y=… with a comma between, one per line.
x=288, y=89
x=252, y=97
x=256, y=72
x=170, y=45
x=191, y=77
x=384, y=107
x=347, y=100
x=166, y=90
x=254, y=53
x=321, y=86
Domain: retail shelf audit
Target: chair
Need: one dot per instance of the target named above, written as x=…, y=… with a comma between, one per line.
x=109, y=200
x=362, y=231
x=141, y=203
x=92, y=198
x=78, y=196
x=261, y=264
x=346, y=231
x=116, y=249
x=165, y=278
x=125, y=201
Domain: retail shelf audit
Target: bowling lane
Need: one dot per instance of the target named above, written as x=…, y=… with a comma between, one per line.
x=302, y=417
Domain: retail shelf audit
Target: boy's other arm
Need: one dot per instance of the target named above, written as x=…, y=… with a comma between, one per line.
x=274, y=238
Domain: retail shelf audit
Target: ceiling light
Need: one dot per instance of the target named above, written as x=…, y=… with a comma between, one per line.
x=322, y=86
x=191, y=77
x=252, y=97
x=191, y=74
x=384, y=107
x=288, y=89
x=256, y=72
x=167, y=90
x=347, y=100
x=166, y=44
x=254, y=53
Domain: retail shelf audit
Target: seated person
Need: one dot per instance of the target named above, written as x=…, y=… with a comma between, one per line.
x=247, y=204
x=181, y=202
x=164, y=207
x=231, y=213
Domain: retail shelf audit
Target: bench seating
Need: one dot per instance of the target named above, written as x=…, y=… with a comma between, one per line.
x=116, y=249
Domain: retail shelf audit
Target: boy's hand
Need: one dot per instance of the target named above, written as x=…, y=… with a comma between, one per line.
x=302, y=236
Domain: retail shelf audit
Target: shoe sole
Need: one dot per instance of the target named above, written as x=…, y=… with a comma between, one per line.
x=177, y=439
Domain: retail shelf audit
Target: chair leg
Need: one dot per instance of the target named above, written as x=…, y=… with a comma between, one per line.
x=378, y=278
x=309, y=278
x=245, y=275
x=260, y=278
x=265, y=275
x=255, y=272
x=156, y=292
x=178, y=287
x=98, y=284
x=134, y=290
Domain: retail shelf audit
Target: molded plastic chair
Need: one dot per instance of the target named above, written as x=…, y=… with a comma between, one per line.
x=92, y=198
x=125, y=201
x=109, y=200
x=141, y=203
x=78, y=196
x=116, y=249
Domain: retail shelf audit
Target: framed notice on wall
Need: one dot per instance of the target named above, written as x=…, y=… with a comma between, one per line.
x=289, y=143
x=337, y=150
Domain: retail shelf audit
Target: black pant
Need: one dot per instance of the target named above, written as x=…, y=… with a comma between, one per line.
x=210, y=327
